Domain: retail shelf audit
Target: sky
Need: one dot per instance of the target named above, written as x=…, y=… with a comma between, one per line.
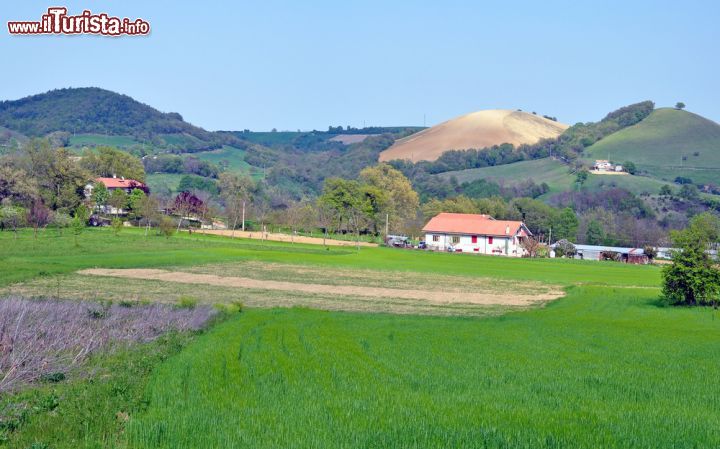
x=232, y=65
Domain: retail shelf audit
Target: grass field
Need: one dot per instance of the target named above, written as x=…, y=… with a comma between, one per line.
x=659, y=143
x=161, y=182
x=602, y=368
x=233, y=157
x=606, y=366
x=100, y=139
x=556, y=175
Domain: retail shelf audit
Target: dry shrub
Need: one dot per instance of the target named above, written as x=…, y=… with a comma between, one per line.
x=41, y=338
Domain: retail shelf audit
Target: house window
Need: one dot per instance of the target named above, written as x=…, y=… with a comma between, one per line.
x=455, y=239
x=436, y=238
x=474, y=238
x=490, y=240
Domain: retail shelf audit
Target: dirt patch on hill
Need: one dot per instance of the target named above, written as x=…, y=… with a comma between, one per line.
x=432, y=297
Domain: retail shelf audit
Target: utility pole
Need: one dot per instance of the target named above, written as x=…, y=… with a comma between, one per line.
x=550, y=238
x=243, y=217
x=387, y=225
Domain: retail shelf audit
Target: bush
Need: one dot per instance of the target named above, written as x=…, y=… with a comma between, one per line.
x=117, y=225
x=166, y=226
x=187, y=302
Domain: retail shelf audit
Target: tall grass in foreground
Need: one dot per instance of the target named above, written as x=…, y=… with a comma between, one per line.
x=603, y=368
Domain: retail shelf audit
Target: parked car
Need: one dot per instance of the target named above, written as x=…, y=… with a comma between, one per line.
x=422, y=245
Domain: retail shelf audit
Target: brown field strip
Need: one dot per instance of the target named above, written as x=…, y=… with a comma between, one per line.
x=439, y=297
x=277, y=237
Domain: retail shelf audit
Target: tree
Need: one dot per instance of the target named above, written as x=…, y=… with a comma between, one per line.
x=12, y=217
x=689, y=192
x=117, y=225
x=594, y=234
x=566, y=225
x=563, y=248
x=118, y=200
x=109, y=162
x=148, y=210
x=531, y=246
x=38, y=216
x=79, y=222
x=135, y=199
x=581, y=177
x=235, y=192
x=100, y=194
x=665, y=190
x=400, y=201
x=630, y=167
x=693, y=279
x=680, y=105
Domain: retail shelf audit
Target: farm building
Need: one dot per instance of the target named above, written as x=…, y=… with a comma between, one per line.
x=617, y=253
x=477, y=234
x=128, y=185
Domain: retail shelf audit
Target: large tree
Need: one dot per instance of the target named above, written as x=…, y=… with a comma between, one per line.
x=693, y=278
x=400, y=201
x=109, y=161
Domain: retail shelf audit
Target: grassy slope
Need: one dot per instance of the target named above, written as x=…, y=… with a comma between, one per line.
x=159, y=182
x=658, y=143
x=556, y=175
x=602, y=368
x=234, y=157
x=100, y=139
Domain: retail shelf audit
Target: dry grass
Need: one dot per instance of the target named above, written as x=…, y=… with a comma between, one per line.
x=84, y=287
x=479, y=129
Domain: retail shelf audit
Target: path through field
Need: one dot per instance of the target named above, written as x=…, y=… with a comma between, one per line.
x=277, y=237
x=436, y=297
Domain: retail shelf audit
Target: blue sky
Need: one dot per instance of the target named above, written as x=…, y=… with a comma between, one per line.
x=305, y=65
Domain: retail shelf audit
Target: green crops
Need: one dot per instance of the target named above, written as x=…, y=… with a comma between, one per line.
x=603, y=368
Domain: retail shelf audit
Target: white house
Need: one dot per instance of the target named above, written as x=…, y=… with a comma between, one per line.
x=477, y=234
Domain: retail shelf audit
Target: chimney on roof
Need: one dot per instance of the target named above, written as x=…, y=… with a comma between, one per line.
x=114, y=176
x=507, y=230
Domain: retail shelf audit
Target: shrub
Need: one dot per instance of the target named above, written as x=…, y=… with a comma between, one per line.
x=166, y=226
x=187, y=302
x=117, y=225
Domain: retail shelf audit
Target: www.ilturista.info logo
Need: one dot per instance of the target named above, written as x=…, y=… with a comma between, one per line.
x=56, y=21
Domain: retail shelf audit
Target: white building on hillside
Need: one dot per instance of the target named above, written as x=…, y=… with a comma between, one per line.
x=477, y=234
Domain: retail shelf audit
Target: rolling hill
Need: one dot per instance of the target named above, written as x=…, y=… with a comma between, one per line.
x=667, y=144
x=93, y=114
x=556, y=175
x=475, y=130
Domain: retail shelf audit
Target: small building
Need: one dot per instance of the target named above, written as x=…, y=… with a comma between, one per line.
x=616, y=253
x=114, y=183
x=602, y=165
x=476, y=234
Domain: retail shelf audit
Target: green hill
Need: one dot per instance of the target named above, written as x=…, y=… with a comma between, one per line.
x=667, y=144
x=556, y=175
x=96, y=113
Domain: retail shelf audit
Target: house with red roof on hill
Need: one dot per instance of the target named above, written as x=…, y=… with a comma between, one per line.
x=475, y=233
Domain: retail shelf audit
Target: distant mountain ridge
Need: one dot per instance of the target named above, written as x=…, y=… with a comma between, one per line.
x=91, y=110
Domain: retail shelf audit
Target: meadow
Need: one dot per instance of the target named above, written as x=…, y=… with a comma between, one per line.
x=556, y=175
x=608, y=365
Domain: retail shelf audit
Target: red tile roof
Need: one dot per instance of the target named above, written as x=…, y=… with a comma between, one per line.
x=474, y=224
x=119, y=183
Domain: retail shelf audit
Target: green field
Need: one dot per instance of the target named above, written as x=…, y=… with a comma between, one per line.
x=556, y=175
x=163, y=182
x=102, y=140
x=234, y=158
x=658, y=144
x=606, y=366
